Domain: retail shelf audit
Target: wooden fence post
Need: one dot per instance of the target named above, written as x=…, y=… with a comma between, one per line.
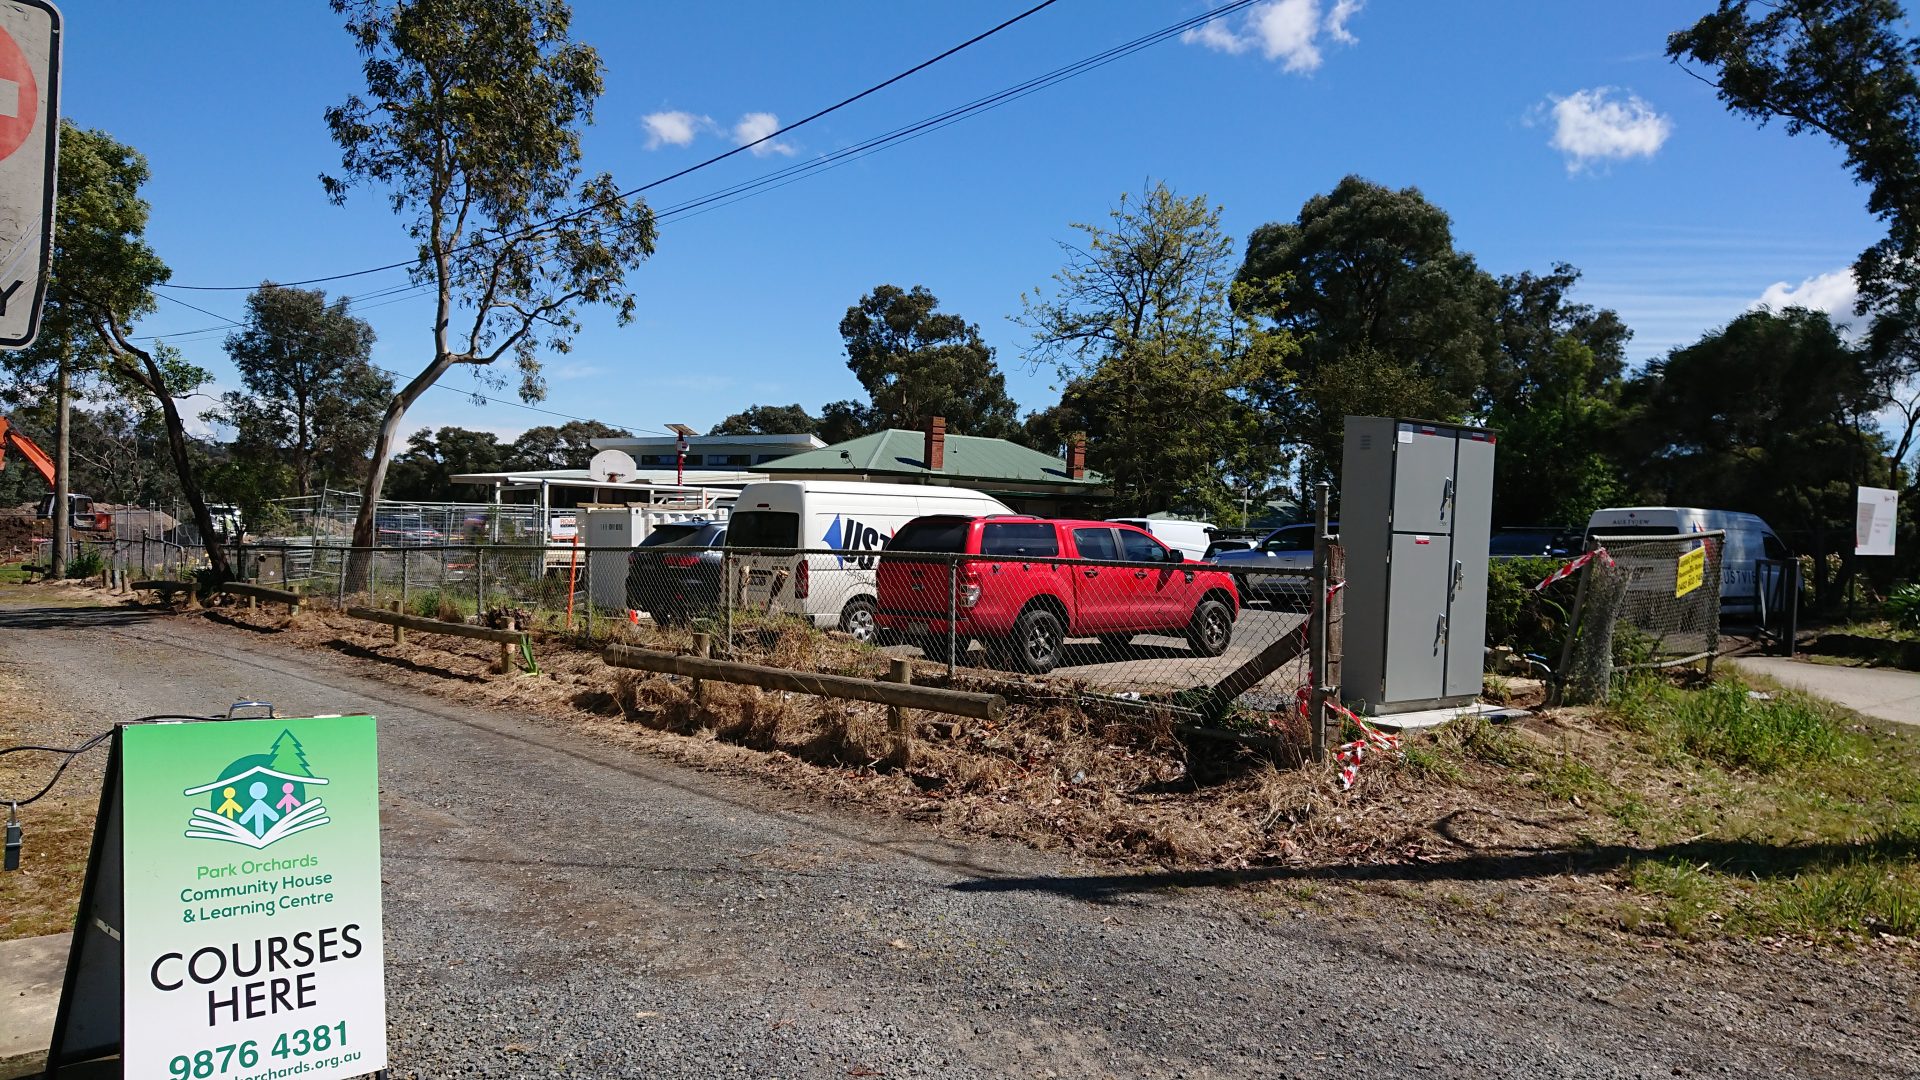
x=399, y=632
x=702, y=648
x=899, y=734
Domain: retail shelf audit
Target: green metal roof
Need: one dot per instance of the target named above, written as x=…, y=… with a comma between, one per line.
x=968, y=457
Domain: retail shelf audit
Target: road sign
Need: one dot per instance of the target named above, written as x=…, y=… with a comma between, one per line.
x=1875, y=512
x=230, y=924
x=29, y=154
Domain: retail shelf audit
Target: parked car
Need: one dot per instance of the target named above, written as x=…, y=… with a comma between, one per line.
x=676, y=572
x=772, y=521
x=1229, y=544
x=1533, y=542
x=404, y=529
x=1748, y=540
x=1189, y=538
x=1289, y=547
x=1017, y=595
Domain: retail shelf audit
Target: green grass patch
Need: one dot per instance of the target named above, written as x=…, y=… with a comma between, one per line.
x=1726, y=724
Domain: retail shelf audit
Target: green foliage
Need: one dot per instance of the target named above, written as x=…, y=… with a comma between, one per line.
x=1520, y=618
x=87, y=564
x=447, y=605
x=915, y=361
x=1154, y=362
x=569, y=446
x=425, y=471
x=1903, y=607
x=310, y=400
x=1392, y=320
x=769, y=420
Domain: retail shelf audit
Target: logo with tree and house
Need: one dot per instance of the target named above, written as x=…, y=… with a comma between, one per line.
x=260, y=799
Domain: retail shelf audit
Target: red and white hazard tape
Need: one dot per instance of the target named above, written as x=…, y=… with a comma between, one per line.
x=1570, y=568
x=1350, y=755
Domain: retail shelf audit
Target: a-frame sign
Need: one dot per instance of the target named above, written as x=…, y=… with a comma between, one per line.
x=230, y=924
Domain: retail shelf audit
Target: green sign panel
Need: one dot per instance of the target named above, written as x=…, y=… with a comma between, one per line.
x=251, y=872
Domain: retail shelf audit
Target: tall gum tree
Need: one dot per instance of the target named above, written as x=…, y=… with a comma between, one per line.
x=470, y=124
x=104, y=276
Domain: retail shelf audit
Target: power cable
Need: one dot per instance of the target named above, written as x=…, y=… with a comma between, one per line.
x=625, y=195
x=780, y=178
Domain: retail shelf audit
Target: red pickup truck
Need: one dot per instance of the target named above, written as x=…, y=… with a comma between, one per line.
x=1026, y=584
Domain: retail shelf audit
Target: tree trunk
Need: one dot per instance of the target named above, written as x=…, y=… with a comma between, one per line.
x=62, y=477
x=360, y=559
x=183, y=464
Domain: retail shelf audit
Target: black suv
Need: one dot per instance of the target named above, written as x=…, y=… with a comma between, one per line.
x=674, y=575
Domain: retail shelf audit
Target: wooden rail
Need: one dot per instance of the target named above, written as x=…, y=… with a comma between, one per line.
x=899, y=694
x=256, y=593
x=401, y=623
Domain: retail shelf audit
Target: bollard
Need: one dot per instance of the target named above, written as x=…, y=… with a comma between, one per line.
x=399, y=632
x=900, y=736
x=703, y=648
x=506, y=658
x=294, y=608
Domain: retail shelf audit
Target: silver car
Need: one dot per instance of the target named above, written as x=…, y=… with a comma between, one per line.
x=1289, y=547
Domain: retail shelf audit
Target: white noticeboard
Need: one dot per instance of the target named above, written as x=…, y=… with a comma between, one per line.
x=1873, y=527
x=29, y=140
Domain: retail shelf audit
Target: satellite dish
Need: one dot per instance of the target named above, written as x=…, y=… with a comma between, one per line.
x=613, y=467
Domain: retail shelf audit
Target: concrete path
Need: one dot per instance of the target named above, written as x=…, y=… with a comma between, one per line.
x=31, y=970
x=1887, y=693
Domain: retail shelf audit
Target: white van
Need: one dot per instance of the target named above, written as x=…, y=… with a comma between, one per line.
x=773, y=520
x=1748, y=539
x=1190, y=538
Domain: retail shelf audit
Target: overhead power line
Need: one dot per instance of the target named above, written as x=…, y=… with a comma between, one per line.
x=780, y=178
x=623, y=196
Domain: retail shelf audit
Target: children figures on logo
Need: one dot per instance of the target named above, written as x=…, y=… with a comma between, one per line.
x=287, y=801
x=228, y=808
x=260, y=816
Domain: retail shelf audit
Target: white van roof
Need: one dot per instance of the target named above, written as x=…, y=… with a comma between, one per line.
x=873, y=488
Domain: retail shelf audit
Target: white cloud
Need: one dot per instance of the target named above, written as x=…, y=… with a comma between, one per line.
x=1337, y=21
x=570, y=370
x=1284, y=30
x=1592, y=126
x=756, y=126
x=673, y=128
x=1833, y=292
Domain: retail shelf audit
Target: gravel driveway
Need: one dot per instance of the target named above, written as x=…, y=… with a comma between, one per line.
x=555, y=906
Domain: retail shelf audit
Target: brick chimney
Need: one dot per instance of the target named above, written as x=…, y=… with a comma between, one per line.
x=1077, y=457
x=935, y=456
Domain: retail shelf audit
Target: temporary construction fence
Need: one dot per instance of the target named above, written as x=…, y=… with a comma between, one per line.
x=1642, y=602
x=1190, y=636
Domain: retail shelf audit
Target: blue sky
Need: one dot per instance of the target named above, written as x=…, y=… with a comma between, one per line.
x=1550, y=132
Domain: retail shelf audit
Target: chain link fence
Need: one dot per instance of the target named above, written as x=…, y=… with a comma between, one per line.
x=1652, y=602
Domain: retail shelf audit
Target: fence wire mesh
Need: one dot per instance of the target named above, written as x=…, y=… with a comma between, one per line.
x=1654, y=603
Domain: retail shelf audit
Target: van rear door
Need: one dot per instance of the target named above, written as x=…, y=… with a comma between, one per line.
x=764, y=539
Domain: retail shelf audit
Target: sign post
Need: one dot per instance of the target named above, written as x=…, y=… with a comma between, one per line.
x=1876, y=513
x=29, y=157
x=230, y=925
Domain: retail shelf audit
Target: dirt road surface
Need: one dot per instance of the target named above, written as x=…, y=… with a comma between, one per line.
x=556, y=906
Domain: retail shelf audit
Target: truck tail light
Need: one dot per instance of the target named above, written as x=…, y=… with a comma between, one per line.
x=969, y=588
x=681, y=560
x=801, y=584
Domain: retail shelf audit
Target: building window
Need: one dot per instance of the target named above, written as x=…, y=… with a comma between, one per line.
x=665, y=461
x=762, y=459
x=730, y=459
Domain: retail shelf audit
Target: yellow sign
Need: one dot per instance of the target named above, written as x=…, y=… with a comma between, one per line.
x=1692, y=572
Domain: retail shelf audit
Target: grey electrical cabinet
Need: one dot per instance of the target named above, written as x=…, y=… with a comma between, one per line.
x=1416, y=511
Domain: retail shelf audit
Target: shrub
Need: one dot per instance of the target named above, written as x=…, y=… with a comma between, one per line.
x=87, y=564
x=1520, y=618
x=1903, y=607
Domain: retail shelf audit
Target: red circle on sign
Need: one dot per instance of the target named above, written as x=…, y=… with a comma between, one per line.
x=26, y=104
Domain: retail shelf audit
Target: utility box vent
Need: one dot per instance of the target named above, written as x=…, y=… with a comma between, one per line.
x=1416, y=512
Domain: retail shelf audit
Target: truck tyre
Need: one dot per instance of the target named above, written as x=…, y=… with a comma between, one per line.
x=1211, y=630
x=1035, y=645
x=857, y=619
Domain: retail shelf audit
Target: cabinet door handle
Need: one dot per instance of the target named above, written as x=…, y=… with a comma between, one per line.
x=1441, y=633
x=1446, y=495
x=1459, y=575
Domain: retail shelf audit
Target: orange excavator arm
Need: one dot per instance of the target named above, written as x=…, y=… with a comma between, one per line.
x=36, y=457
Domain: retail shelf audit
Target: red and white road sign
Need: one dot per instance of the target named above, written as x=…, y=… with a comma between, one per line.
x=29, y=155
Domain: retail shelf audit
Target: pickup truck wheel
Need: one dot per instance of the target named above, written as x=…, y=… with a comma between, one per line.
x=857, y=619
x=1211, y=630
x=1035, y=645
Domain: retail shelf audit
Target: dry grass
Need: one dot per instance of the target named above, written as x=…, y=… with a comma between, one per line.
x=41, y=897
x=1566, y=823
